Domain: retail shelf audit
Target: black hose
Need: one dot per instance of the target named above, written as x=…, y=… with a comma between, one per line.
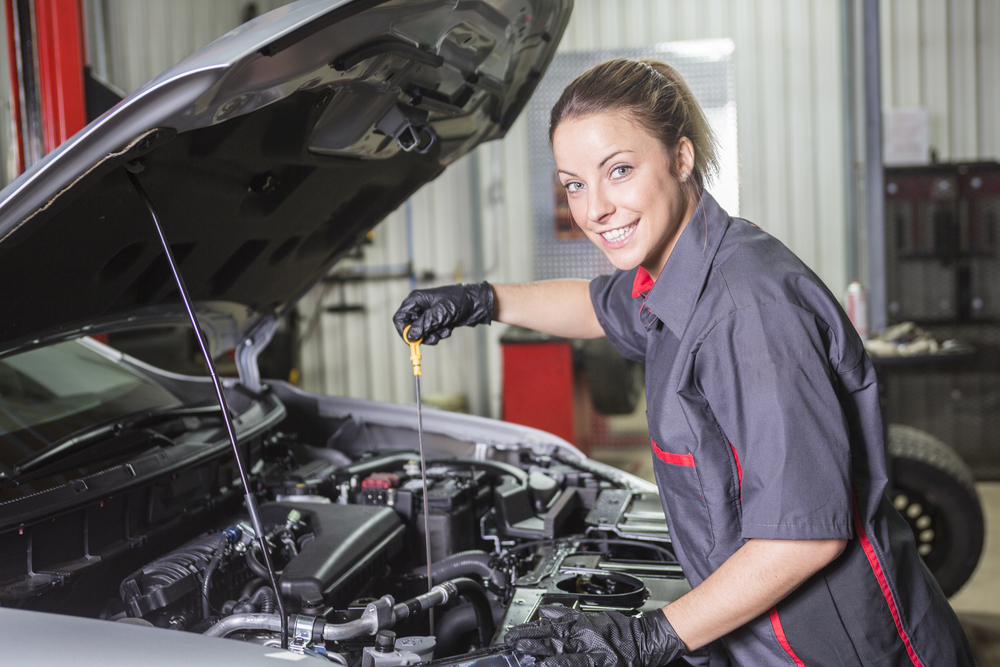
x=253, y=562
x=251, y=586
x=266, y=598
x=474, y=593
x=465, y=563
x=455, y=623
x=451, y=626
x=263, y=601
x=206, y=582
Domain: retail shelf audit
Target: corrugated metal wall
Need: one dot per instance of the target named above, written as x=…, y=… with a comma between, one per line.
x=790, y=115
x=944, y=55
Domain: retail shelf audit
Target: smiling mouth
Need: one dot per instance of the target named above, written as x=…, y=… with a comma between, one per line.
x=615, y=235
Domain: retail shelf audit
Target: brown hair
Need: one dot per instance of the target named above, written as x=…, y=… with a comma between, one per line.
x=652, y=94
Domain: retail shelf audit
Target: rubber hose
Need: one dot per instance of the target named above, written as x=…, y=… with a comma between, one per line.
x=265, y=600
x=251, y=587
x=474, y=593
x=206, y=582
x=465, y=563
x=253, y=562
x=450, y=626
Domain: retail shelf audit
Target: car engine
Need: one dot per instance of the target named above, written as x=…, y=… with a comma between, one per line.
x=512, y=527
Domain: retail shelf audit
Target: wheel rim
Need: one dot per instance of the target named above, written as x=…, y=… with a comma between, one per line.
x=928, y=531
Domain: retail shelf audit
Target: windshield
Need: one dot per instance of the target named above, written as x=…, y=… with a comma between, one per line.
x=53, y=392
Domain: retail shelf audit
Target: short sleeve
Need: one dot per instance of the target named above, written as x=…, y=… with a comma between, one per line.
x=767, y=376
x=618, y=313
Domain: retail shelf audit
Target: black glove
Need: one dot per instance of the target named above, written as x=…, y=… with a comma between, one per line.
x=433, y=313
x=568, y=638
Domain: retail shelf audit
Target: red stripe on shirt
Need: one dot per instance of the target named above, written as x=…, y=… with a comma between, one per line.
x=673, y=459
x=779, y=632
x=739, y=468
x=883, y=584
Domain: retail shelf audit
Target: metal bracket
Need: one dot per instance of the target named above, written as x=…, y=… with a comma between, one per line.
x=249, y=350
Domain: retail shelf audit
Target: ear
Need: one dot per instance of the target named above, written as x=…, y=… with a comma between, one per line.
x=685, y=158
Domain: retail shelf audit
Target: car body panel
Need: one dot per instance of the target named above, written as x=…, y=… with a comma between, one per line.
x=268, y=154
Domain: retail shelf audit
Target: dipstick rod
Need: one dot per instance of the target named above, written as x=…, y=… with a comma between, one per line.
x=415, y=360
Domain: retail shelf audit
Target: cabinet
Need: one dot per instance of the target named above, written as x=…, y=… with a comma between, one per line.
x=943, y=272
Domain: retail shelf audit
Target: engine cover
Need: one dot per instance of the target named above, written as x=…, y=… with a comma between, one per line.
x=352, y=543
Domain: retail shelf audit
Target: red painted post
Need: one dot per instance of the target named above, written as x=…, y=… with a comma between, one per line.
x=61, y=58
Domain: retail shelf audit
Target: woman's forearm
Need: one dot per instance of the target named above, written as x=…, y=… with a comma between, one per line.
x=749, y=583
x=557, y=307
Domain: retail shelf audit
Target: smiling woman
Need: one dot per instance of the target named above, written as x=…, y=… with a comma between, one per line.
x=626, y=201
x=763, y=408
x=632, y=146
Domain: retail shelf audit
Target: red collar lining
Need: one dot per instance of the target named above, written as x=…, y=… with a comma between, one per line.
x=642, y=283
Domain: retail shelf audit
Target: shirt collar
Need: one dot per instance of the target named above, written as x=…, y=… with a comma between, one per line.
x=674, y=294
x=642, y=283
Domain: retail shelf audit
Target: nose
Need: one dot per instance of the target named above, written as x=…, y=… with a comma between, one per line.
x=599, y=205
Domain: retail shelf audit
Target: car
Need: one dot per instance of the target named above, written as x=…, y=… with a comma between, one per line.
x=126, y=526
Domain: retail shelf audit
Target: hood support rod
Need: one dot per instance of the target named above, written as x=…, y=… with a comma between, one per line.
x=251, y=500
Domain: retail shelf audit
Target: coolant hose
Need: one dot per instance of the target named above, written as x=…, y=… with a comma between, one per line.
x=262, y=601
x=450, y=627
x=465, y=563
x=206, y=582
x=251, y=587
x=474, y=593
x=441, y=593
x=253, y=562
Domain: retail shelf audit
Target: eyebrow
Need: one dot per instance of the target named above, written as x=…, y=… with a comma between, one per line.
x=601, y=164
x=605, y=160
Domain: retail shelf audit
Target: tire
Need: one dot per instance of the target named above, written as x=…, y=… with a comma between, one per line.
x=933, y=490
x=615, y=383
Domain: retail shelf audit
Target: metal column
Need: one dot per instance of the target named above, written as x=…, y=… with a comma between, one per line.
x=874, y=197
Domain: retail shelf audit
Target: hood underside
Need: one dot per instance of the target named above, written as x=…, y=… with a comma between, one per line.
x=268, y=155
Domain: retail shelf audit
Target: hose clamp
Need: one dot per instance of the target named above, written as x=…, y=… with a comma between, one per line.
x=302, y=631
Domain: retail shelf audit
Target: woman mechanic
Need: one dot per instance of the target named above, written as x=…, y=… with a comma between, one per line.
x=763, y=409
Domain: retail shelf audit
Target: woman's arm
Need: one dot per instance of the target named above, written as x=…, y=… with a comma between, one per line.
x=751, y=581
x=557, y=307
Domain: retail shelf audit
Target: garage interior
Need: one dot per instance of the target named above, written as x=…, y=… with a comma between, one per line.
x=817, y=103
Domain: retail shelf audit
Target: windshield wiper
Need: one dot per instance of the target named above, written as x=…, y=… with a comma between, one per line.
x=83, y=440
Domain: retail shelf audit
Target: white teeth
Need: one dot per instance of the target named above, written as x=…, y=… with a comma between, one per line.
x=620, y=233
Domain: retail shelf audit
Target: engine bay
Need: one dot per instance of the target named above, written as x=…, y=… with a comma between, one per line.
x=512, y=525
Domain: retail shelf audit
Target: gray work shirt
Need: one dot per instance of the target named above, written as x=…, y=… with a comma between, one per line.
x=764, y=420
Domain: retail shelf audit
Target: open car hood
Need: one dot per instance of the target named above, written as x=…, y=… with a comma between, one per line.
x=268, y=154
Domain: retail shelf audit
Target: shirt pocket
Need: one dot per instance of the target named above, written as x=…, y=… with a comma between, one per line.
x=683, y=492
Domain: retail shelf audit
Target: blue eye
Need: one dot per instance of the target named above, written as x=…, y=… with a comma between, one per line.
x=621, y=171
x=573, y=186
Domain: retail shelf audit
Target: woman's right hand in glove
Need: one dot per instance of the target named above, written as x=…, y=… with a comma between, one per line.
x=431, y=314
x=564, y=637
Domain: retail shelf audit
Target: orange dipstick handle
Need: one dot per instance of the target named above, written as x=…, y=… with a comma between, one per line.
x=414, y=351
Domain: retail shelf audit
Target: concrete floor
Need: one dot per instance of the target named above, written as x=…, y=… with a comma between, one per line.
x=977, y=604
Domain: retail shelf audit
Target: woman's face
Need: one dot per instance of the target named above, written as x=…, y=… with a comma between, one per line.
x=620, y=190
